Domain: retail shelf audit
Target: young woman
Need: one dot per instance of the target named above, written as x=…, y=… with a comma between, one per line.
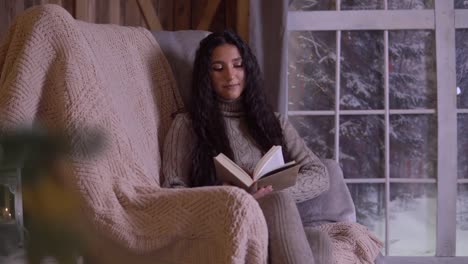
x=229, y=114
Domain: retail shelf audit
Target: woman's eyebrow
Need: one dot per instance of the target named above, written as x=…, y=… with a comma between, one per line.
x=222, y=62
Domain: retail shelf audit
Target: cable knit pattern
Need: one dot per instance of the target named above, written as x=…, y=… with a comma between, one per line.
x=313, y=176
x=352, y=243
x=69, y=75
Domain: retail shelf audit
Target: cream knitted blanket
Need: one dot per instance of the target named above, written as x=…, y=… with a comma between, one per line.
x=69, y=75
x=352, y=243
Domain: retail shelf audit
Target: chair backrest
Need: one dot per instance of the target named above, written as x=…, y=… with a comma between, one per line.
x=180, y=47
x=333, y=205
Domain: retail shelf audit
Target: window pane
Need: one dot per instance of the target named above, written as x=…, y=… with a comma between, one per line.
x=369, y=200
x=312, y=5
x=362, y=146
x=410, y=4
x=362, y=4
x=461, y=4
x=413, y=146
x=461, y=40
x=311, y=70
x=462, y=146
x=362, y=70
x=462, y=220
x=412, y=226
x=412, y=69
x=318, y=132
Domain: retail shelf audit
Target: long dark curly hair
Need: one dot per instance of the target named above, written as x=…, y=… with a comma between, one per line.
x=207, y=120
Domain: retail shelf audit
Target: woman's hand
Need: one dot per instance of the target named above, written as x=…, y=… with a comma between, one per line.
x=256, y=193
x=259, y=193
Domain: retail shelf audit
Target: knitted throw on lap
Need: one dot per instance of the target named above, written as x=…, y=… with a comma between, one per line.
x=70, y=75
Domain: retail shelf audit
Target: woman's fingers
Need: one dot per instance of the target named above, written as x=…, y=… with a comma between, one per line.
x=263, y=191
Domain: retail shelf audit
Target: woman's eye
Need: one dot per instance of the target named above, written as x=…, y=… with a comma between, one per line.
x=216, y=67
x=238, y=63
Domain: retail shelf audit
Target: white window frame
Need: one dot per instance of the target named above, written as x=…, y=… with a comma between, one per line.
x=444, y=20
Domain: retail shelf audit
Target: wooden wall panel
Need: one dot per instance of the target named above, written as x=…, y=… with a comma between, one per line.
x=102, y=10
x=8, y=11
x=165, y=11
x=149, y=14
x=114, y=12
x=182, y=14
x=56, y=2
x=132, y=14
x=4, y=17
x=69, y=5
x=242, y=19
x=219, y=20
x=172, y=14
x=209, y=13
x=85, y=10
x=230, y=18
x=197, y=12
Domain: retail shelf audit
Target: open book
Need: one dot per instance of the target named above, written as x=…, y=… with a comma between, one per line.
x=270, y=170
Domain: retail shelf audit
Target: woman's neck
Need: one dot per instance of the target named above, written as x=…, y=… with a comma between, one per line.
x=231, y=108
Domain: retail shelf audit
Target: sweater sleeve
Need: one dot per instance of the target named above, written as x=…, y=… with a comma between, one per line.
x=177, y=153
x=313, y=175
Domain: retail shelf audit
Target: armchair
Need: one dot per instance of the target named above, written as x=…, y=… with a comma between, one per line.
x=70, y=75
x=335, y=205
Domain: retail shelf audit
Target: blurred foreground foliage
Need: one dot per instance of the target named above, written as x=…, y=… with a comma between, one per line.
x=53, y=220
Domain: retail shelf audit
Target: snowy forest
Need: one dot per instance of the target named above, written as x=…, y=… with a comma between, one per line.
x=413, y=137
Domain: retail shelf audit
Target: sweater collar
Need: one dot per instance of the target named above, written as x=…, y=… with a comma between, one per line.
x=231, y=108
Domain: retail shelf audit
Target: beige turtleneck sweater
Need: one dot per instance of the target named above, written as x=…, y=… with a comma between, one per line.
x=178, y=146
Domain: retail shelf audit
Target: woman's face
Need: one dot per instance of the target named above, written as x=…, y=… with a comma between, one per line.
x=227, y=72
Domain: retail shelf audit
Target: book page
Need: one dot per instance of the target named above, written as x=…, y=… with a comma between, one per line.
x=284, y=167
x=282, y=178
x=272, y=160
x=228, y=171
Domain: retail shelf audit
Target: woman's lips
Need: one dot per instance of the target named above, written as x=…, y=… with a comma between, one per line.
x=230, y=86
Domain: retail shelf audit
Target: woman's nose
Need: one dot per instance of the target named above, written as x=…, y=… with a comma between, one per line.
x=229, y=73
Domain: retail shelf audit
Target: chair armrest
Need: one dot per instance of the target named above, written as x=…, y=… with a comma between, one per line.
x=333, y=205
